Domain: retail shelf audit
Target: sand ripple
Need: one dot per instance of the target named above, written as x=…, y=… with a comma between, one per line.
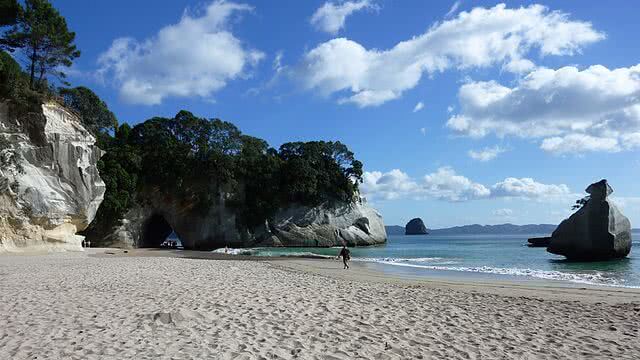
x=70, y=306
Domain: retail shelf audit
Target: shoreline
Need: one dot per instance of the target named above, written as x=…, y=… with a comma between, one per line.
x=108, y=304
x=374, y=272
x=396, y=272
x=537, y=288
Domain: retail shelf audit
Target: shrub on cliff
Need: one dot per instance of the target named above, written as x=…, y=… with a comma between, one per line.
x=14, y=87
x=93, y=111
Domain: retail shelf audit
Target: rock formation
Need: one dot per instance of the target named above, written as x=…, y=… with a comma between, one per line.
x=49, y=184
x=539, y=241
x=598, y=231
x=147, y=225
x=415, y=227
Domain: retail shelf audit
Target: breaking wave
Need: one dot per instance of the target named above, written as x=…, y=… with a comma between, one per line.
x=595, y=278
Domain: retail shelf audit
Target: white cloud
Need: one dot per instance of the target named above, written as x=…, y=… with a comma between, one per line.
x=575, y=143
x=480, y=38
x=446, y=184
x=519, y=66
x=423, y=131
x=486, y=154
x=453, y=9
x=195, y=57
x=527, y=188
x=595, y=109
x=503, y=213
x=277, y=62
x=419, y=106
x=331, y=17
x=390, y=185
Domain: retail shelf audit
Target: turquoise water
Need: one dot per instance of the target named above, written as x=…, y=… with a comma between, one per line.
x=493, y=255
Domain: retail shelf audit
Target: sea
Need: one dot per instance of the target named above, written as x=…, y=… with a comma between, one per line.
x=500, y=257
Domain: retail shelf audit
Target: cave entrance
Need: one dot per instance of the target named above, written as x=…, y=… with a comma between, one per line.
x=157, y=233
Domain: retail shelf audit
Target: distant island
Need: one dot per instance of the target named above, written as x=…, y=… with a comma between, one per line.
x=482, y=229
x=485, y=229
x=415, y=227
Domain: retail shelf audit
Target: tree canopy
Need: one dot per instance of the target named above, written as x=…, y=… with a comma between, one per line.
x=45, y=41
x=198, y=160
x=9, y=10
x=94, y=112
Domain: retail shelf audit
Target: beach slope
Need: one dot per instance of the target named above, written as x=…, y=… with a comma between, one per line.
x=137, y=305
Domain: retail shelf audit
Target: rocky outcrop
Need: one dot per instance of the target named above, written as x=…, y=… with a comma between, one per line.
x=147, y=225
x=415, y=227
x=539, y=241
x=598, y=231
x=354, y=224
x=49, y=184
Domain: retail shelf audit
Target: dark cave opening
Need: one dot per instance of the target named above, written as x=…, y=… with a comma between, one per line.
x=155, y=233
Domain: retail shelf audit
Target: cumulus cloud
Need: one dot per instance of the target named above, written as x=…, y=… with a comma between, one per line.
x=527, y=188
x=390, y=185
x=419, y=106
x=572, y=110
x=446, y=184
x=331, y=17
x=194, y=57
x=575, y=143
x=519, y=66
x=480, y=38
x=486, y=154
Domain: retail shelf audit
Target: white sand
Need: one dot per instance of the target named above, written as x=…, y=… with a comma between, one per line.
x=74, y=306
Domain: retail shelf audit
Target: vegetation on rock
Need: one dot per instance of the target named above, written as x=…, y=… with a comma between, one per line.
x=161, y=154
x=94, y=112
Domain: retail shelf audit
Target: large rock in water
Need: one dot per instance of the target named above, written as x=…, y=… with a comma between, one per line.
x=52, y=190
x=598, y=231
x=415, y=227
x=147, y=225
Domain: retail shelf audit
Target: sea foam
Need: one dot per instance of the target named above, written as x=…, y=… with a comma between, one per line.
x=595, y=278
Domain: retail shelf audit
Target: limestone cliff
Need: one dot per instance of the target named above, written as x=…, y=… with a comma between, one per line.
x=152, y=220
x=49, y=183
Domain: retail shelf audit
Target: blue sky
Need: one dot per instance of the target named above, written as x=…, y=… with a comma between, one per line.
x=522, y=105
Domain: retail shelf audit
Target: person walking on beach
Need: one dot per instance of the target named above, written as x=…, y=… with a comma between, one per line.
x=346, y=256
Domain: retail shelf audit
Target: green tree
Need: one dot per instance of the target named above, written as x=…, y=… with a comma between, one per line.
x=42, y=35
x=119, y=169
x=9, y=10
x=14, y=86
x=318, y=171
x=94, y=112
x=10, y=76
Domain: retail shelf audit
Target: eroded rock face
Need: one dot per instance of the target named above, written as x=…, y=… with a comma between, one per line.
x=53, y=189
x=354, y=224
x=598, y=231
x=327, y=225
x=415, y=227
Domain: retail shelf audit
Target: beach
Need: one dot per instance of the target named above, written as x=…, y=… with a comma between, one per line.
x=107, y=304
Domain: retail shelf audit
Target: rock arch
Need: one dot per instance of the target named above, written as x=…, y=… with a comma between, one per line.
x=155, y=230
